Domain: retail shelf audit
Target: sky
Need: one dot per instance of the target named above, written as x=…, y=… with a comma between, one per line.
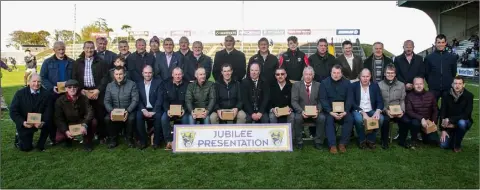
x=377, y=20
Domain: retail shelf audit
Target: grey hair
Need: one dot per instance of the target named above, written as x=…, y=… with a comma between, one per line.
x=309, y=68
x=373, y=47
x=198, y=42
x=200, y=68
x=34, y=75
x=179, y=69
x=184, y=38
x=365, y=70
x=140, y=40
x=58, y=43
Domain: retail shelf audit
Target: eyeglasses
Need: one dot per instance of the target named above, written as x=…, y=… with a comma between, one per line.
x=279, y=74
x=70, y=87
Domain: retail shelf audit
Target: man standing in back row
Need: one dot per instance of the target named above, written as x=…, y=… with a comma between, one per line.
x=294, y=60
x=267, y=62
x=377, y=62
x=231, y=56
x=409, y=65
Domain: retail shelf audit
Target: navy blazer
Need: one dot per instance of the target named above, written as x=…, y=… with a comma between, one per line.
x=160, y=68
x=329, y=94
x=376, y=100
x=155, y=96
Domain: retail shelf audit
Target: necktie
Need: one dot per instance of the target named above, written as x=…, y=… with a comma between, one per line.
x=308, y=91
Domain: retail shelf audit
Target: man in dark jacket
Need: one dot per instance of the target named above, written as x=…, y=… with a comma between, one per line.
x=322, y=61
x=294, y=60
x=255, y=94
x=351, y=64
x=409, y=65
x=123, y=49
x=57, y=68
x=336, y=89
x=231, y=56
x=420, y=107
x=377, y=62
x=74, y=108
x=267, y=62
x=104, y=54
x=184, y=52
x=136, y=61
x=280, y=97
x=91, y=73
x=167, y=61
x=174, y=90
x=229, y=96
x=121, y=94
x=149, y=106
x=441, y=68
x=200, y=94
x=456, y=115
x=195, y=60
x=31, y=99
x=367, y=103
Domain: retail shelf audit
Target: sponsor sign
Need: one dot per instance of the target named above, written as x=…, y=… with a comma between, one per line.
x=180, y=33
x=99, y=34
x=276, y=32
x=348, y=32
x=138, y=33
x=250, y=32
x=467, y=72
x=225, y=32
x=299, y=31
x=232, y=138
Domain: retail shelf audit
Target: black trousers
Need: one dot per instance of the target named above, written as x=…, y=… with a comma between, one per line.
x=99, y=114
x=25, y=137
x=113, y=127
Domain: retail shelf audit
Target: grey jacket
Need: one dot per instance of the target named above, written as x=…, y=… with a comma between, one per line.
x=300, y=97
x=123, y=96
x=393, y=95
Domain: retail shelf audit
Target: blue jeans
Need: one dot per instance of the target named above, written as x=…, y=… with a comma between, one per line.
x=456, y=135
x=192, y=121
x=142, y=132
x=431, y=138
x=167, y=128
x=371, y=137
x=346, y=122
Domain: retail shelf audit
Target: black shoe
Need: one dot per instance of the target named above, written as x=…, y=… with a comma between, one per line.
x=385, y=146
x=41, y=149
x=318, y=146
x=363, y=145
x=155, y=147
x=68, y=144
x=299, y=146
x=131, y=143
x=112, y=142
x=88, y=147
x=141, y=146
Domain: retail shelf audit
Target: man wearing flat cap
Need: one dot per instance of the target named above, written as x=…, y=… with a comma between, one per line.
x=73, y=108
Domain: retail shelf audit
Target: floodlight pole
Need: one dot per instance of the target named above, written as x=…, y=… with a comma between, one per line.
x=243, y=24
x=74, y=28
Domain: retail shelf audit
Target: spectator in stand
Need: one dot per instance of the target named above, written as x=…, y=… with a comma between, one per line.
x=294, y=60
x=167, y=61
x=123, y=48
x=351, y=64
x=196, y=60
x=104, y=54
x=409, y=65
x=137, y=61
x=377, y=62
x=267, y=62
x=233, y=57
x=30, y=65
x=456, y=115
x=322, y=61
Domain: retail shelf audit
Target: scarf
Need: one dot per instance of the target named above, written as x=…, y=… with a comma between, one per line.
x=455, y=95
x=390, y=82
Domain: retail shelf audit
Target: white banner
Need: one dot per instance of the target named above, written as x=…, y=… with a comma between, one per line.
x=232, y=138
x=467, y=72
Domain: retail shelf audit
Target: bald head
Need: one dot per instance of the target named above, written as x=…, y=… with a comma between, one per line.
x=408, y=47
x=365, y=76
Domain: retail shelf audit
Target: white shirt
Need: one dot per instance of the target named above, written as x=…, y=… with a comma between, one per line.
x=169, y=58
x=350, y=61
x=147, y=92
x=365, y=104
x=309, y=88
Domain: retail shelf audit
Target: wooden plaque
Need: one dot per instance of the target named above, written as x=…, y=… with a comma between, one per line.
x=118, y=114
x=175, y=110
x=283, y=111
x=34, y=118
x=75, y=130
x=370, y=124
x=431, y=127
x=338, y=107
x=61, y=87
x=395, y=109
x=311, y=110
x=228, y=115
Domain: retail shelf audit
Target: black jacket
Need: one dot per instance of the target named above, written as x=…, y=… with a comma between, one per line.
x=228, y=95
x=407, y=71
x=235, y=58
x=99, y=72
x=455, y=111
x=280, y=98
x=348, y=72
x=255, y=99
x=190, y=64
x=173, y=94
x=294, y=62
x=267, y=67
x=24, y=102
x=335, y=91
x=136, y=62
x=184, y=58
x=441, y=68
x=322, y=65
x=368, y=63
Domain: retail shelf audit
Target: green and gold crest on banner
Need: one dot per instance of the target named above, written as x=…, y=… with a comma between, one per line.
x=188, y=137
x=277, y=137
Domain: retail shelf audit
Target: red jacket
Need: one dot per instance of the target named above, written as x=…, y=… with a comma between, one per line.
x=420, y=105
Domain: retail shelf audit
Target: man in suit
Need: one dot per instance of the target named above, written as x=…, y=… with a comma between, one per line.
x=255, y=94
x=231, y=56
x=305, y=93
x=367, y=103
x=104, y=54
x=168, y=60
x=149, y=106
x=409, y=65
x=351, y=64
x=377, y=62
x=336, y=89
x=136, y=61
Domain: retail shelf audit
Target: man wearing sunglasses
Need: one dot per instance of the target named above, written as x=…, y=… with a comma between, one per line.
x=280, y=97
x=231, y=56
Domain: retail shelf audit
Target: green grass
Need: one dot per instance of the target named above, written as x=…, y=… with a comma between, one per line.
x=58, y=167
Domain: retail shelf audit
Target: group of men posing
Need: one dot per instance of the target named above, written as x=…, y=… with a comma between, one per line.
x=146, y=84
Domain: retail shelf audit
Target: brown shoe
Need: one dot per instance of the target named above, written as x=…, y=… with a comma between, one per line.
x=342, y=148
x=333, y=150
x=457, y=150
x=169, y=146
